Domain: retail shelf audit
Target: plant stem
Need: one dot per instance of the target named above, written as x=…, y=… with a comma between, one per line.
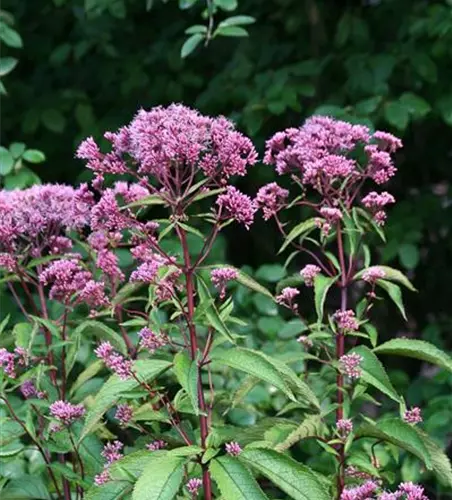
x=203, y=421
x=340, y=347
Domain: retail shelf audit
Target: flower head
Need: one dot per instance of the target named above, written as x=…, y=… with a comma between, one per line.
x=7, y=362
x=151, y=340
x=362, y=492
x=350, y=365
x=238, y=206
x=102, y=478
x=413, y=416
x=287, y=296
x=194, y=485
x=308, y=273
x=156, y=445
x=112, y=451
x=344, y=426
x=271, y=198
x=372, y=274
x=221, y=277
x=346, y=320
x=66, y=412
x=124, y=414
x=233, y=448
x=116, y=362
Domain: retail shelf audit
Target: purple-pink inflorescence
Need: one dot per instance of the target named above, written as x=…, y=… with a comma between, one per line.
x=346, y=320
x=150, y=340
x=271, y=198
x=236, y=205
x=308, y=273
x=233, y=448
x=413, y=415
x=350, y=365
x=344, y=426
x=372, y=274
x=158, y=444
x=194, y=485
x=287, y=297
x=116, y=362
x=7, y=362
x=124, y=414
x=66, y=412
x=221, y=277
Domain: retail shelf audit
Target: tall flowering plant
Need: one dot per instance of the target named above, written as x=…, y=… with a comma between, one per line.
x=128, y=321
x=338, y=171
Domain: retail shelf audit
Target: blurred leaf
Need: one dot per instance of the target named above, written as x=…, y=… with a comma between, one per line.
x=7, y=64
x=190, y=44
x=10, y=36
x=6, y=161
x=34, y=156
x=397, y=114
x=409, y=255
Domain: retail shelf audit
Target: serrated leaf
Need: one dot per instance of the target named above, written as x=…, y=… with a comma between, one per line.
x=161, y=478
x=391, y=274
x=92, y=370
x=146, y=370
x=442, y=466
x=253, y=363
x=190, y=44
x=234, y=480
x=322, y=284
x=373, y=373
x=311, y=426
x=111, y=490
x=394, y=293
x=186, y=372
x=295, y=479
x=298, y=231
x=418, y=349
x=103, y=332
x=401, y=434
x=10, y=430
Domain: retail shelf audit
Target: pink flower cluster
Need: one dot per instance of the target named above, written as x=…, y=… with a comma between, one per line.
x=362, y=492
x=405, y=491
x=194, y=485
x=308, y=273
x=111, y=453
x=156, y=445
x=124, y=414
x=287, y=296
x=7, y=362
x=221, y=277
x=34, y=219
x=346, y=320
x=66, y=412
x=344, y=427
x=151, y=340
x=236, y=205
x=413, y=416
x=375, y=202
x=370, y=491
x=28, y=390
x=271, y=198
x=350, y=365
x=164, y=141
x=68, y=278
x=116, y=362
x=233, y=448
x=372, y=274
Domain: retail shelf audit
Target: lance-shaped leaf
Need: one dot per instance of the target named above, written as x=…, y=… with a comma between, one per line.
x=441, y=464
x=187, y=374
x=394, y=293
x=322, y=284
x=160, y=479
x=104, y=333
x=311, y=427
x=108, y=491
x=373, y=373
x=391, y=274
x=401, y=434
x=298, y=231
x=234, y=480
x=252, y=363
x=146, y=370
x=418, y=349
x=213, y=316
x=295, y=479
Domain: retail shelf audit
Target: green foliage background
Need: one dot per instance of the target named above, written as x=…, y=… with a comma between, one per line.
x=86, y=66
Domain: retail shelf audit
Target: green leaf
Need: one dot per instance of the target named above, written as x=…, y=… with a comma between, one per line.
x=146, y=371
x=418, y=349
x=298, y=231
x=7, y=64
x=237, y=21
x=91, y=371
x=54, y=120
x=34, y=156
x=322, y=284
x=391, y=274
x=271, y=273
x=253, y=363
x=17, y=149
x=10, y=36
x=409, y=255
x=311, y=426
x=373, y=373
x=161, y=478
x=401, y=434
x=187, y=374
x=190, y=44
x=32, y=487
x=10, y=430
x=211, y=312
x=295, y=479
x=103, y=332
x=396, y=114
x=441, y=464
x=394, y=293
x=196, y=28
x=416, y=105
x=234, y=480
x=235, y=31
x=292, y=328
x=6, y=161
x=113, y=490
